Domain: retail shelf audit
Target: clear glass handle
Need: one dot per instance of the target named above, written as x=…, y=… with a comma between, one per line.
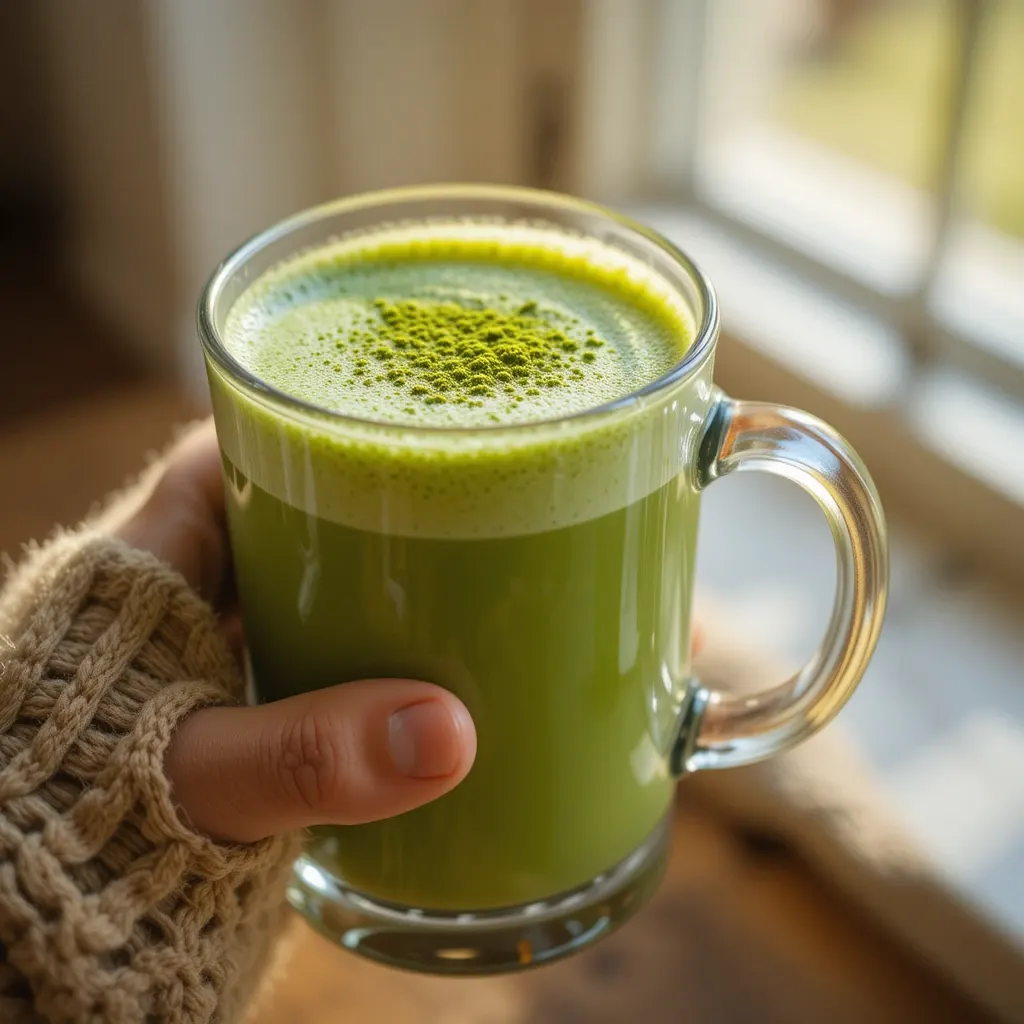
x=718, y=730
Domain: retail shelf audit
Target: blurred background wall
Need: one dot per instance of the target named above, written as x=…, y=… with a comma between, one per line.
x=162, y=134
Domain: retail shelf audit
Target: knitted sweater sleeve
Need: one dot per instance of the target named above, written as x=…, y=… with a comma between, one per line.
x=111, y=908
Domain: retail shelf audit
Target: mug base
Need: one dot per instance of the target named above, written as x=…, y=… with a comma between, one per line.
x=478, y=943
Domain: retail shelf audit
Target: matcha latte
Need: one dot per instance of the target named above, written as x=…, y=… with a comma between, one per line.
x=465, y=493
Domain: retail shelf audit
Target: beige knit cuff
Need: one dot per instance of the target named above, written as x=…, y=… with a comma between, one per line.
x=111, y=908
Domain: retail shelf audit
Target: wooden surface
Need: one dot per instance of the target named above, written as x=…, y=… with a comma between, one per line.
x=740, y=930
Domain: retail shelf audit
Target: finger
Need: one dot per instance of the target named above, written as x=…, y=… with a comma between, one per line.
x=182, y=521
x=344, y=755
x=195, y=464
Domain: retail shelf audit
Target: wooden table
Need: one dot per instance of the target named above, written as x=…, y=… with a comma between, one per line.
x=739, y=932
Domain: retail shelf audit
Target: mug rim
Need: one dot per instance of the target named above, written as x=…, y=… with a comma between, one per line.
x=708, y=317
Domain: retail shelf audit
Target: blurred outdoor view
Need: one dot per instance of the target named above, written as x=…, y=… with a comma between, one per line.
x=858, y=187
x=875, y=80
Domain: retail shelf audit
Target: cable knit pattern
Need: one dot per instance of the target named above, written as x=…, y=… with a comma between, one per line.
x=111, y=908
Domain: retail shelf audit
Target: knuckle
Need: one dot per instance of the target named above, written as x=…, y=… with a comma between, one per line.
x=311, y=761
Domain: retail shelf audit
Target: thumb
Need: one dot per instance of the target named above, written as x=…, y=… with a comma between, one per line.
x=344, y=755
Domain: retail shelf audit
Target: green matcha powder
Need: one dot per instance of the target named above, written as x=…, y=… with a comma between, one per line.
x=438, y=352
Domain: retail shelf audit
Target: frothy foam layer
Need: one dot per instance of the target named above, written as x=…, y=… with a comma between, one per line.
x=304, y=327
x=459, y=327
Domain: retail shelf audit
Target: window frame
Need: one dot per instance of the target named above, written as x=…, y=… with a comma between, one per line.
x=929, y=335
x=634, y=45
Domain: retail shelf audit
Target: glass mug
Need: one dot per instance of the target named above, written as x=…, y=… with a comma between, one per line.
x=543, y=572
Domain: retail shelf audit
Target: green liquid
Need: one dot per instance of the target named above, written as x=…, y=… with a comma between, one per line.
x=539, y=635
x=544, y=577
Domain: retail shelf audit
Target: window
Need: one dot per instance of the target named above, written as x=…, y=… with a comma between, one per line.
x=979, y=277
x=851, y=174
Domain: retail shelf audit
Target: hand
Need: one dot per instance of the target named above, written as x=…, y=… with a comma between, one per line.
x=351, y=753
x=348, y=754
